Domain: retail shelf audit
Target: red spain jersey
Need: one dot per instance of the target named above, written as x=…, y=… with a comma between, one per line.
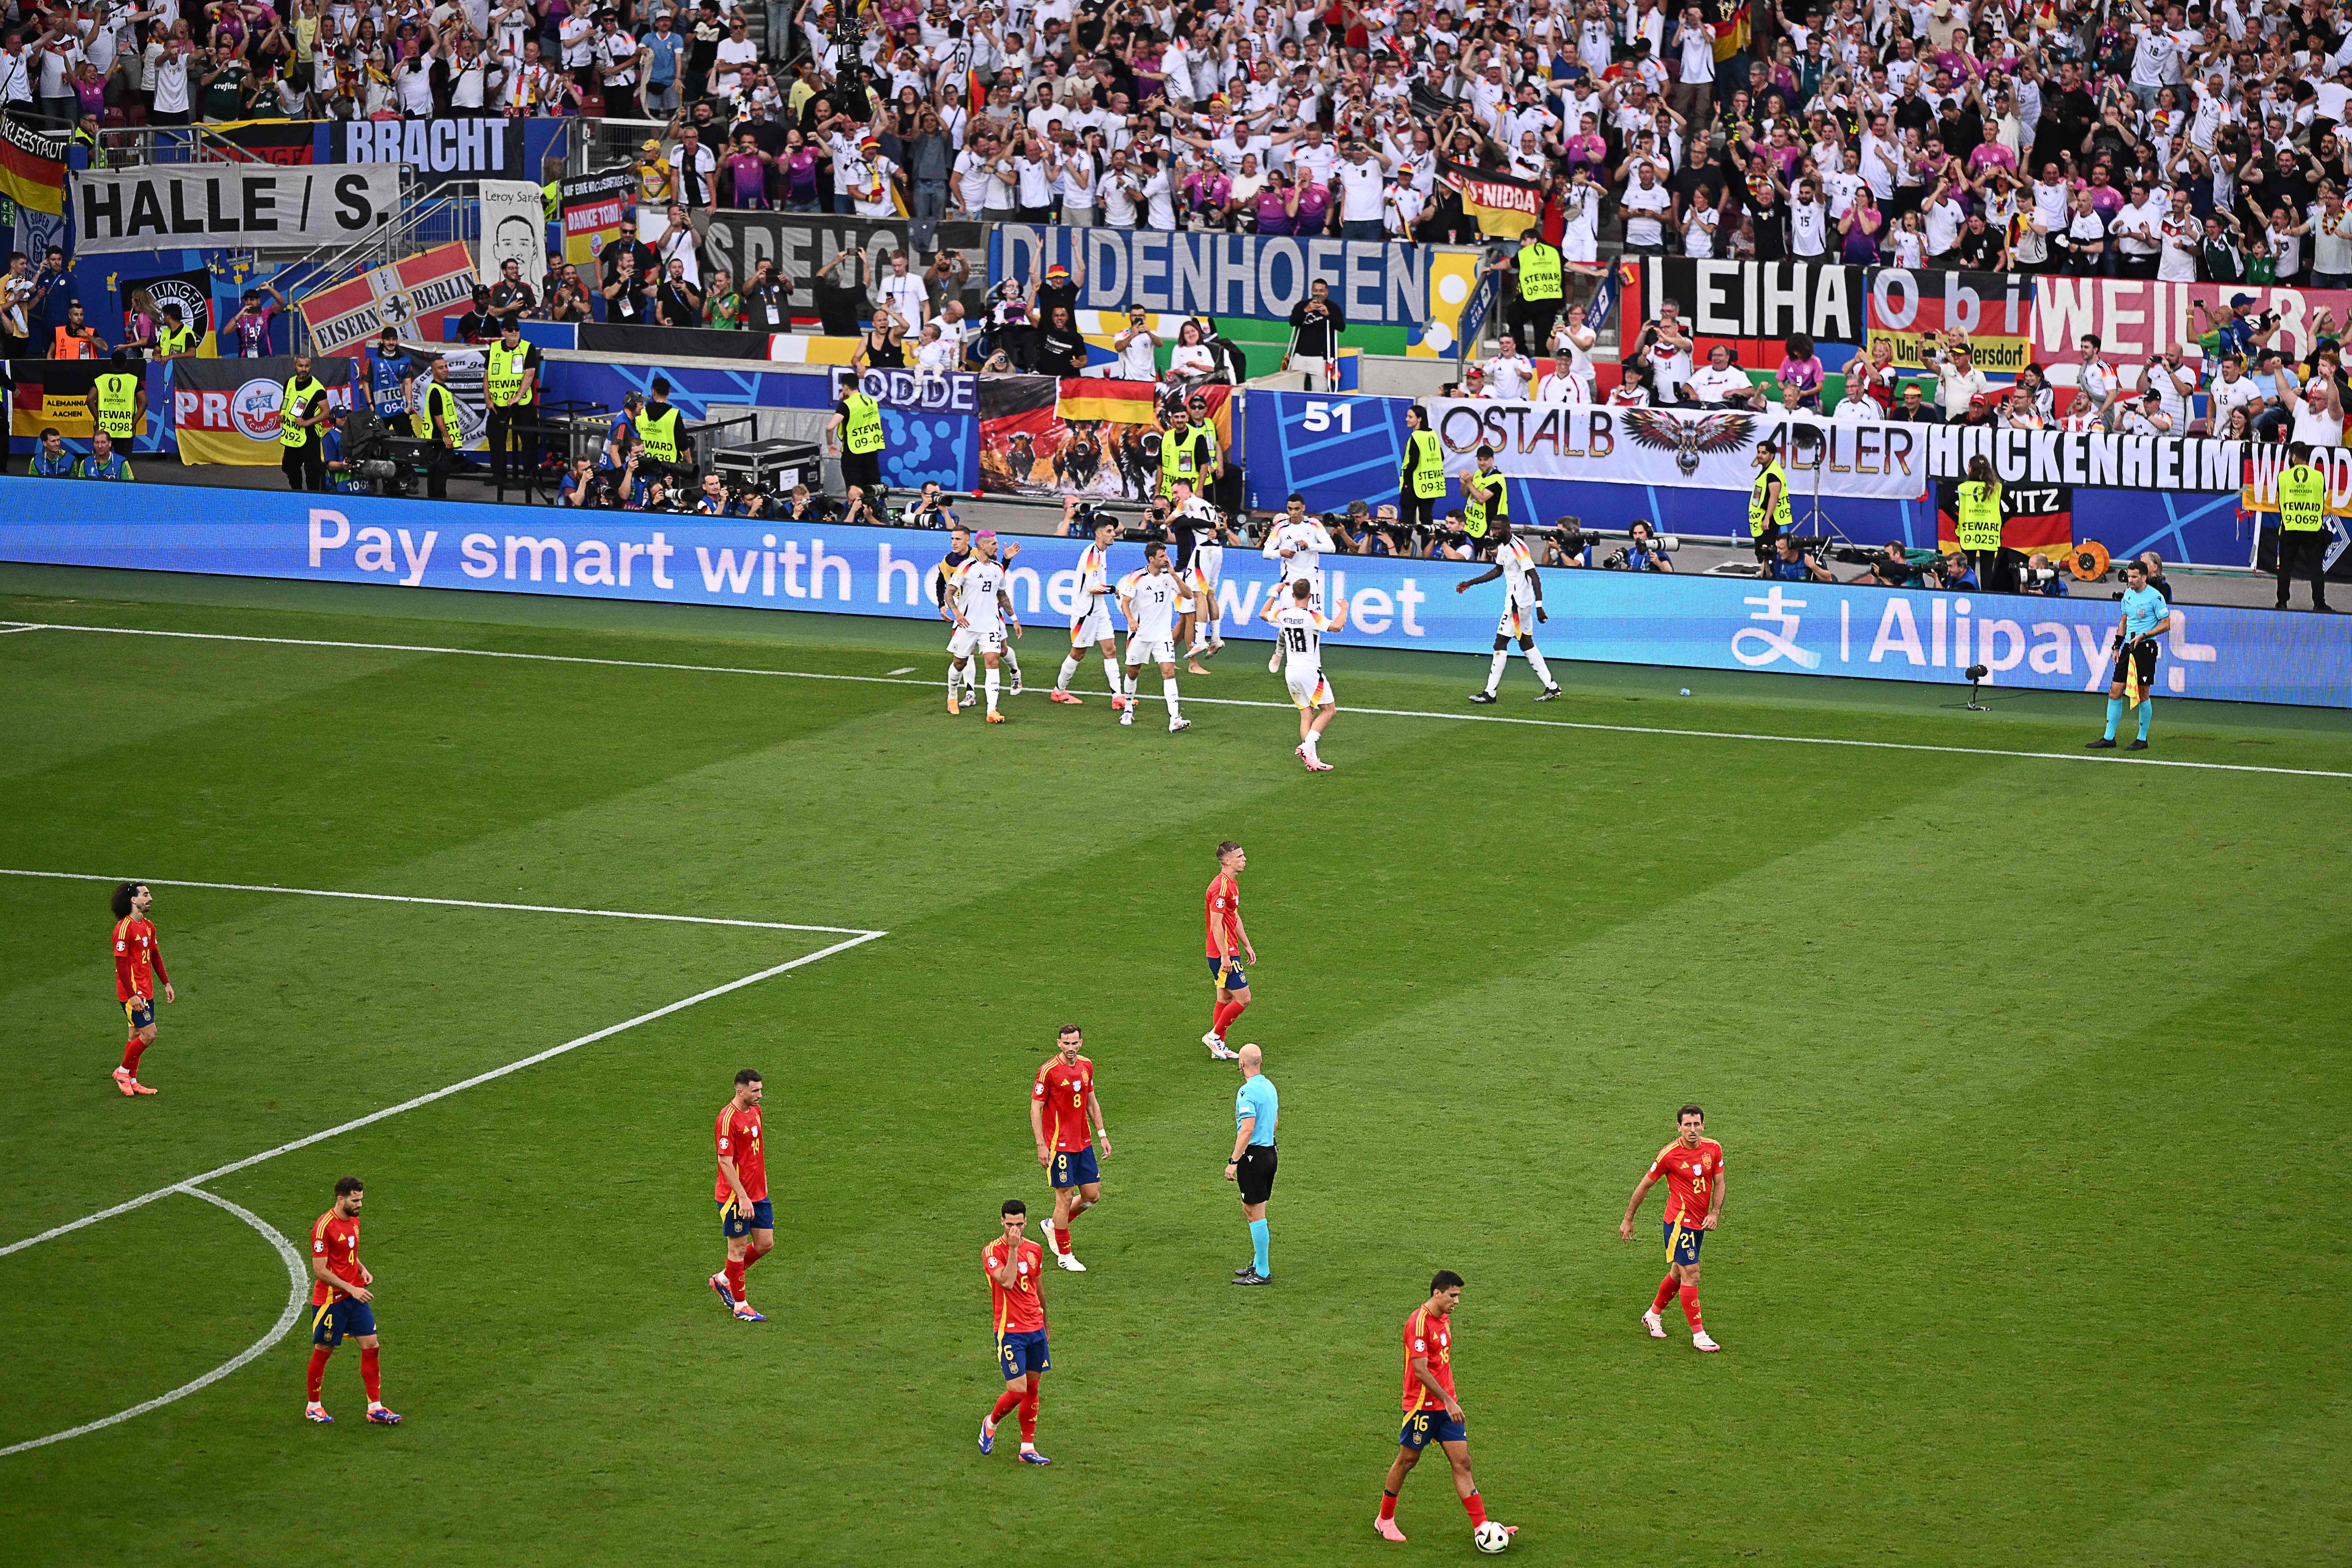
x=335, y=1241
x=736, y=1134
x=1224, y=912
x=1062, y=1088
x=1428, y=1335
x=138, y=962
x=1690, y=1175
x=1020, y=1311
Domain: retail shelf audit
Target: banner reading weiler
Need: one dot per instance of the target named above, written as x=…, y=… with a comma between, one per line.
x=411, y=297
x=1504, y=206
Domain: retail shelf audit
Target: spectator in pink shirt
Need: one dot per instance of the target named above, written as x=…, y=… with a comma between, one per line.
x=1801, y=371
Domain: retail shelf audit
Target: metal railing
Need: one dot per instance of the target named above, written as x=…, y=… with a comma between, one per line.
x=452, y=211
x=129, y=146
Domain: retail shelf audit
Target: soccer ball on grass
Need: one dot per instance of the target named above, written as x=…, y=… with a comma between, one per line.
x=1491, y=1537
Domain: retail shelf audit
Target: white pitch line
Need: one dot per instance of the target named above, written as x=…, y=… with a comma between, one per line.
x=2097, y=757
x=450, y=903
x=407, y=1105
x=11, y=627
x=297, y=1284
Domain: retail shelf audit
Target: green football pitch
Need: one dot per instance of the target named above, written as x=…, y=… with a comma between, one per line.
x=2031, y=1069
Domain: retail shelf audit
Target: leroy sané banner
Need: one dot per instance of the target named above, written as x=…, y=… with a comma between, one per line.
x=1696, y=621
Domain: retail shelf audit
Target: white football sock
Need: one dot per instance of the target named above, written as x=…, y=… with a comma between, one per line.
x=1495, y=675
x=1013, y=660
x=1069, y=669
x=953, y=673
x=1543, y=671
x=991, y=687
x=1130, y=681
x=1110, y=673
x=1311, y=738
x=1168, y=685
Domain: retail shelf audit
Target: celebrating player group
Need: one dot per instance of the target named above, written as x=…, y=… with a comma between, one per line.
x=1169, y=606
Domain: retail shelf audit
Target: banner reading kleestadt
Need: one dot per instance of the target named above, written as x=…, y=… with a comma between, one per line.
x=225, y=410
x=1504, y=206
x=32, y=167
x=411, y=297
x=1689, y=449
x=231, y=208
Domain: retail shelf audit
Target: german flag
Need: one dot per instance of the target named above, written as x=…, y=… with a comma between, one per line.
x=1119, y=402
x=1727, y=20
x=32, y=168
x=1504, y=206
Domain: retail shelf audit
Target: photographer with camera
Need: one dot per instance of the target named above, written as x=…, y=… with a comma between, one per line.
x=1890, y=568
x=930, y=509
x=1641, y=551
x=715, y=502
x=581, y=487
x=2040, y=575
x=1792, y=564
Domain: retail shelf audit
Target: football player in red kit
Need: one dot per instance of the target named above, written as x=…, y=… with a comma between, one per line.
x=341, y=1302
x=1018, y=1311
x=1227, y=942
x=1692, y=1168
x=746, y=1217
x=138, y=965
x=1432, y=1413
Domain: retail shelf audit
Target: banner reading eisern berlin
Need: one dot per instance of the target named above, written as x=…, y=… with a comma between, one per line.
x=1690, y=448
x=231, y=208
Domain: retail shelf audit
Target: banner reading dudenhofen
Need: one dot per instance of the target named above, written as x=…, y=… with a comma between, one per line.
x=1691, y=448
x=2102, y=461
x=234, y=207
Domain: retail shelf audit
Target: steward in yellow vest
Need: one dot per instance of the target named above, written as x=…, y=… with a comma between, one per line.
x=2303, y=519
x=1421, y=483
x=118, y=401
x=1768, y=505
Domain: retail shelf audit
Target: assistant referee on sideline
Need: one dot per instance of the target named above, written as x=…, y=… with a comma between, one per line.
x=1251, y=1167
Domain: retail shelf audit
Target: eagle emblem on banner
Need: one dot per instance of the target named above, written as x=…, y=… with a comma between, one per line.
x=1687, y=439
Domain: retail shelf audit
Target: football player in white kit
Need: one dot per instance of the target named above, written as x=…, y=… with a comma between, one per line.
x=1299, y=542
x=942, y=592
x=1148, y=599
x=982, y=607
x=1300, y=629
x=1522, y=609
x=1199, y=632
x=1092, y=623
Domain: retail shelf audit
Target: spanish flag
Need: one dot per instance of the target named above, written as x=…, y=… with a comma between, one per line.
x=32, y=168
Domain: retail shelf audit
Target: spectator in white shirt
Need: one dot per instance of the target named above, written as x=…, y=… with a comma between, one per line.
x=1134, y=345
x=1959, y=380
x=1510, y=371
x=1719, y=385
x=902, y=291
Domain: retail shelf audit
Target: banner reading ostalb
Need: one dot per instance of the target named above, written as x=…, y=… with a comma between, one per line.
x=410, y=297
x=225, y=410
x=1686, y=448
x=1504, y=206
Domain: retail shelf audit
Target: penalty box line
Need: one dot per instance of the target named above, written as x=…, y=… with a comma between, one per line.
x=423, y=1099
x=2098, y=758
x=446, y=903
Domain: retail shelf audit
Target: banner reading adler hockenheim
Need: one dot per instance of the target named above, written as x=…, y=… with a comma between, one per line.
x=1692, y=448
x=233, y=207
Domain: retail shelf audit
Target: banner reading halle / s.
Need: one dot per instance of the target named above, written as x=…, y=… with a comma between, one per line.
x=1689, y=449
x=235, y=206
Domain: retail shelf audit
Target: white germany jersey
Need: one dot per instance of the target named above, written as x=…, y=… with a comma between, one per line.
x=1094, y=574
x=1151, y=597
x=1516, y=562
x=977, y=583
x=1301, y=631
x=1307, y=540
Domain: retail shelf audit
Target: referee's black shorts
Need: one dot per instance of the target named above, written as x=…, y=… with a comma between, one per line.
x=1254, y=1174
